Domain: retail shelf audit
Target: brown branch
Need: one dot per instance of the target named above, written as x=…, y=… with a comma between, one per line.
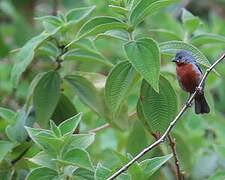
x=55, y=7
x=99, y=128
x=162, y=139
x=172, y=145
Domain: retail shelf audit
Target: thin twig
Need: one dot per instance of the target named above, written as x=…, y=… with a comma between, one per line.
x=55, y=7
x=99, y=128
x=172, y=145
x=162, y=139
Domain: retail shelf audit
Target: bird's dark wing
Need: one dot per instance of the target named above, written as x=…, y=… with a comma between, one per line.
x=198, y=68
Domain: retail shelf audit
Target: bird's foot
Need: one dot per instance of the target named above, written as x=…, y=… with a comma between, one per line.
x=199, y=89
x=188, y=104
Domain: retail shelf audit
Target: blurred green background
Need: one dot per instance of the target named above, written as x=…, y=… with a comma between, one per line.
x=200, y=139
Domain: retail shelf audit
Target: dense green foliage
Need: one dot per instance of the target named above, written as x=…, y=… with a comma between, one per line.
x=96, y=62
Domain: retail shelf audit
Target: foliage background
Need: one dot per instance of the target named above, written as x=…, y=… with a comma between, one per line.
x=200, y=139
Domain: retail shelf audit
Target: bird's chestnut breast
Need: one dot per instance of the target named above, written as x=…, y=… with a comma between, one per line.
x=188, y=76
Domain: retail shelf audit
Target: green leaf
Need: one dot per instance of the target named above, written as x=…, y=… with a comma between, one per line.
x=17, y=132
x=98, y=25
x=207, y=38
x=83, y=174
x=159, y=108
x=5, y=147
x=78, y=14
x=32, y=86
x=190, y=22
x=7, y=115
x=144, y=56
x=26, y=54
x=147, y=7
x=46, y=96
x=55, y=129
x=46, y=140
x=119, y=10
x=81, y=141
x=101, y=172
x=69, y=125
x=164, y=34
x=118, y=84
x=44, y=160
x=49, y=49
x=114, y=34
x=42, y=173
x=172, y=47
x=83, y=55
x=50, y=19
x=64, y=109
x=150, y=166
x=79, y=158
x=86, y=92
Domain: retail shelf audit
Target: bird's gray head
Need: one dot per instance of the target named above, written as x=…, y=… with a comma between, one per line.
x=184, y=56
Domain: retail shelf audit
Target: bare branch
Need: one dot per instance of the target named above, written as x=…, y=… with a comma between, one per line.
x=99, y=128
x=172, y=145
x=162, y=139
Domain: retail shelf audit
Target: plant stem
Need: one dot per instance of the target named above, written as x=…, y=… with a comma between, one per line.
x=172, y=145
x=99, y=128
x=163, y=137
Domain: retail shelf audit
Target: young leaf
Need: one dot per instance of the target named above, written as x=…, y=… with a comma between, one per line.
x=207, y=38
x=42, y=173
x=44, y=160
x=144, y=56
x=83, y=55
x=49, y=49
x=150, y=166
x=7, y=115
x=81, y=141
x=79, y=158
x=17, y=132
x=159, y=108
x=98, y=25
x=190, y=22
x=78, y=14
x=114, y=34
x=64, y=109
x=86, y=92
x=46, y=96
x=164, y=34
x=5, y=147
x=101, y=172
x=83, y=174
x=119, y=10
x=50, y=19
x=147, y=7
x=69, y=125
x=118, y=84
x=55, y=129
x=172, y=47
x=26, y=54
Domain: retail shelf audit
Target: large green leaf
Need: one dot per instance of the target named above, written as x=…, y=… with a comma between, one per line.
x=5, y=147
x=64, y=109
x=172, y=47
x=79, y=158
x=190, y=22
x=119, y=9
x=144, y=56
x=84, y=55
x=164, y=34
x=77, y=14
x=26, y=54
x=7, y=115
x=207, y=38
x=44, y=160
x=100, y=24
x=159, y=108
x=46, y=96
x=17, y=132
x=49, y=49
x=81, y=141
x=119, y=34
x=150, y=166
x=42, y=173
x=147, y=7
x=87, y=92
x=118, y=84
x=101, y=172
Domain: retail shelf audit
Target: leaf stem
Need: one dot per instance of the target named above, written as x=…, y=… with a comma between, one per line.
x=163, y=137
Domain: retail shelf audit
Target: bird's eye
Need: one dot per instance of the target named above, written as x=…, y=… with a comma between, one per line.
x=180, y=57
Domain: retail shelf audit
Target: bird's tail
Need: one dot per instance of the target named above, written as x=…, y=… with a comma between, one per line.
x=201, y=105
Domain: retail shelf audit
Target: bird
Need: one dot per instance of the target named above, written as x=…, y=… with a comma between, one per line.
x=189, y=76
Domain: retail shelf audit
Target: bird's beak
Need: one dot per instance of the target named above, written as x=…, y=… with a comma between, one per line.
x=174, y=60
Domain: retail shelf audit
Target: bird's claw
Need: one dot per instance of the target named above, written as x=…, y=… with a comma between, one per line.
x=188, y=104
x=199, y=89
